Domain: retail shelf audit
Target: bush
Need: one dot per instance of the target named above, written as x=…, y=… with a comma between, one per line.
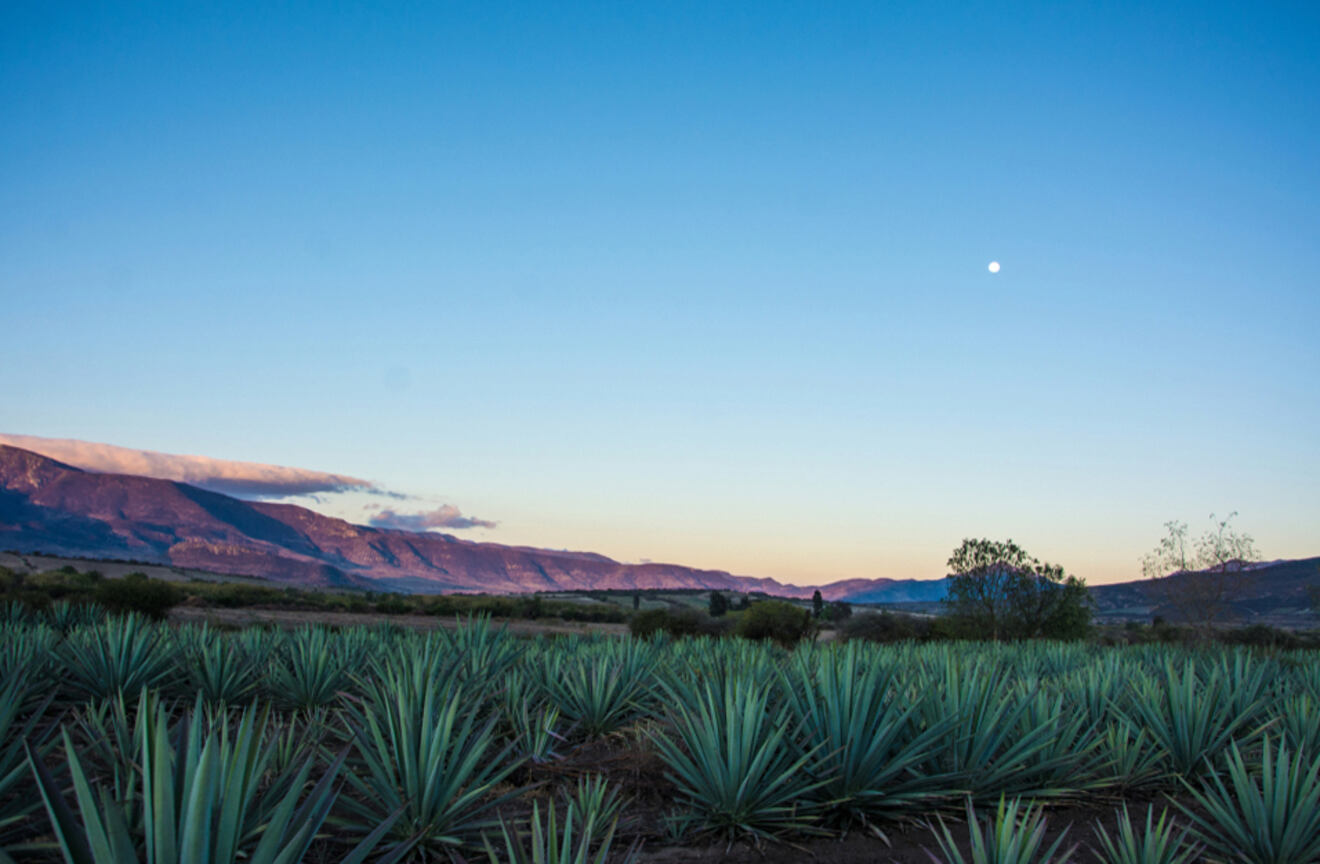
x=783, y=622
x=138, y=593
x=677, y=623
x=1263, y=636
x=393, y=606
x=886, y=627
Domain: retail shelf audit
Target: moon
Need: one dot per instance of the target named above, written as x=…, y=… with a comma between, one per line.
x=994, y=266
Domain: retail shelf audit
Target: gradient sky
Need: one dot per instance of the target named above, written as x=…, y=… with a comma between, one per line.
x=703, y=283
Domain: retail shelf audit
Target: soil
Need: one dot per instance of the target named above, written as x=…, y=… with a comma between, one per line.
x=629, y=763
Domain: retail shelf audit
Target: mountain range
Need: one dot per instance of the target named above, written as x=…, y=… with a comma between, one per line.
x=49, y=507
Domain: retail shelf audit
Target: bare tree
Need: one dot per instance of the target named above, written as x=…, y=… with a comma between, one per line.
x=1203, y=577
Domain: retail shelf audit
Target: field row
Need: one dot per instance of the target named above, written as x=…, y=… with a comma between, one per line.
x=165, y=744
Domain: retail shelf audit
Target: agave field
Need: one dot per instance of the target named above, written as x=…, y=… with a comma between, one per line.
x=125, y=740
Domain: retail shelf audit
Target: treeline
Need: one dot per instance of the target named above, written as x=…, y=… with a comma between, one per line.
x=136, y=592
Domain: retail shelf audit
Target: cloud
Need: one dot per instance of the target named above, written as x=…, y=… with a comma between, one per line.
x=447, y=516
x=243, y=479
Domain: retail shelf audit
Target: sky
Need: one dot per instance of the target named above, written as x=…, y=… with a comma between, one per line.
x=704, y=283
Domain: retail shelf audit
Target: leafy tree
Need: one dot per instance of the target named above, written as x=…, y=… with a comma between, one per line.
x=137, y=592
x=1203, y=577
x=718, y=604
x=838, y=611
x=785, y=623
x=998, y=591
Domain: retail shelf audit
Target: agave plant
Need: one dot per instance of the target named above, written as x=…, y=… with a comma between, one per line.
x=1014, y=836
x=198, y=801
x=1131, y=759
x=16, y=810
x=1071, y=760
x=592, y=693
x=594, y=800
x=1192, y=717
x=868, y=746
x=27, y=654
x=112, y=732
x=65, y=616
x=423, y=753
x=310, y=671
x=1161, y=843
x=1298, y=721
x=993, y=749
x=729, y=756
x=579, y=841
x=1273, y=819
x=219, y=670
x=123, y=655
x=485, y=652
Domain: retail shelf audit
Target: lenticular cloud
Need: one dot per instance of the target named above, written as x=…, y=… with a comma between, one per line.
x=243, y=479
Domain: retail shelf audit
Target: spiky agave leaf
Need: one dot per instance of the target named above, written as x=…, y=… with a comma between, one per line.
x=593, y=694
x=594, y=801
x=868, y=745
x=484, y=652
x=219, y=670
x=1131, y=758
x=1161, y=843
x=16, y=810
x=1270, y=819
x=422, y=751
x=730, y=758
x=122, y=655
x=993, y=749
x=309, y=670
x=1191, y=715
x=1297, y=720
x=198, y=799
x=1014, y=836
x=578, y=841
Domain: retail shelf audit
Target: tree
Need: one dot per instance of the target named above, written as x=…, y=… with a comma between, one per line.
x=718, y=604
x=998, y=591
x=136, y=592
x=838, y=611
x=1203, y=577
x=817, y=604
x=785, y=623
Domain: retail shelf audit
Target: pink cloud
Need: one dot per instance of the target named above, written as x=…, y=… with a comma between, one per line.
x=446, y=516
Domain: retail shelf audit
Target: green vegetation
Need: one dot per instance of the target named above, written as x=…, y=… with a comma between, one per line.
x=150, y=742
x=784, y=623
x=998, y=591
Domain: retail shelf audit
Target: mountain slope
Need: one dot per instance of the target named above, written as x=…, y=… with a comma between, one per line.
x=51, y=507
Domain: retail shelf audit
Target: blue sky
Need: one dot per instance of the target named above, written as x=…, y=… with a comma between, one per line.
x=700, y=282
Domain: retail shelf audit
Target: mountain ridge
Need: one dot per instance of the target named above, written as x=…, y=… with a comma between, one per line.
x=51, y=507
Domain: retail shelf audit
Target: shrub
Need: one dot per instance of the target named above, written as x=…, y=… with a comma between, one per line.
x=886, y=627
x=393, y=606
x=1262, y=636
x=678, y=623
x=138, y=593
x=783, y=622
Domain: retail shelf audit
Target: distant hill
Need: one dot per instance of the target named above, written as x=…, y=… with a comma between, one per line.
x=53, y=508
x=1273, y=591
x=49, y=507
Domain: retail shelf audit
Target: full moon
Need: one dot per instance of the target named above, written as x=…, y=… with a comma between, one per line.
x=994, y=266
